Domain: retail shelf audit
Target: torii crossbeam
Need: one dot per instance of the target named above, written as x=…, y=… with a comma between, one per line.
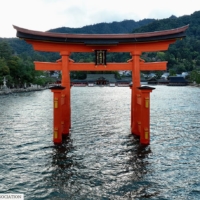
x=135, y=44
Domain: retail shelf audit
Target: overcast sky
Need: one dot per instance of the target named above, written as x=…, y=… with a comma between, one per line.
x=42, y=15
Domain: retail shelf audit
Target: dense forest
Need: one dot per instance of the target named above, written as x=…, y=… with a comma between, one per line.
x=126, y=26
x=183, y=55
x=19, y=69
x=16, y=56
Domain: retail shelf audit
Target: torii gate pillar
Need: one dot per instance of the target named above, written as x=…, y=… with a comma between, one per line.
x=135, y=91
x=57, y=116
x=66, y=107
x=143, y=105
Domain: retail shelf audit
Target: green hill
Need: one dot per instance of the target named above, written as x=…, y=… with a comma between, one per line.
x=16, y=56
x=184, y=55
x=126, y=26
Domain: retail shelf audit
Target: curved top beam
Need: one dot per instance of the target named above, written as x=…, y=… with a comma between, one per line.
x=101, y=39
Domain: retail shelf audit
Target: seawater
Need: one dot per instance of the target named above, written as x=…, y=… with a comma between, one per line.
x=101, y=159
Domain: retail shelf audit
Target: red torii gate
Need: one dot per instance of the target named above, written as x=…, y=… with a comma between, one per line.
x=135, y=44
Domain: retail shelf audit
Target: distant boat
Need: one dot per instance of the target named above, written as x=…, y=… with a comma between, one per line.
x=112, y=84
x=79, y=85
x=143, y=83
x=90, y=84
x=123, y=84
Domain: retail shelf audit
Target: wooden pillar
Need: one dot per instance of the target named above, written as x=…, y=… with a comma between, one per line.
x=135, y=85
x=131, y=85
x=139, y=113
x=145, y=115
x=57, y=110
x=66, y=107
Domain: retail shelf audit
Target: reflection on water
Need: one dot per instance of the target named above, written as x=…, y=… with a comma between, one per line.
x=100, y=159
x=90, y=177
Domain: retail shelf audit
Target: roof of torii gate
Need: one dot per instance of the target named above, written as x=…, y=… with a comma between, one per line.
x=101, y=39
x=134, y=43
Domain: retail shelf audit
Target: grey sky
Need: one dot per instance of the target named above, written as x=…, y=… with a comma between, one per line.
x=43, y=15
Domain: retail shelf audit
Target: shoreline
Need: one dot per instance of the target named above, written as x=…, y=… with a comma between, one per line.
x=20, y=90
x=194, y=84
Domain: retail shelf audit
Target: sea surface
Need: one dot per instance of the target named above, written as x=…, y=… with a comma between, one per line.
x=101, y=159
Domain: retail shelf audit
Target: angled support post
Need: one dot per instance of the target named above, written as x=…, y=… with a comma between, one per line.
x=57, y=110
x=144, y=116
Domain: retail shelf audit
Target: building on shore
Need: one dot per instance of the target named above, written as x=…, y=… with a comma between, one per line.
x=124, y=82
x=110, y=80
x=152, y=81
x=102, y=80
x=162, y=81
x=177, y=81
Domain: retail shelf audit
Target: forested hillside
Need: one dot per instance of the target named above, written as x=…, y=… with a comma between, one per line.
x=16, y=56
x=126, y=26
x=184, y=55
x=20, y=47
x=19, y=69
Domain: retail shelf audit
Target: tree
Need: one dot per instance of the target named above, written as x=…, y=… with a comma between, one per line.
x=15, y=71
x=5, y=50
x=195, y=76
x=179, y=68
x=161, y=56
x=172, y=72
x=4, y=70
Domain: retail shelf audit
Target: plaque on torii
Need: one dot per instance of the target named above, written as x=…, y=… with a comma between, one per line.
x=100, y=57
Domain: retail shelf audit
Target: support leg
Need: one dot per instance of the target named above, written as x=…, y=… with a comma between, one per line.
x=136, y=83
x=145, y=115
x=57, y=110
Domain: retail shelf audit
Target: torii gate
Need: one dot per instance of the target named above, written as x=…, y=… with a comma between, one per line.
x=135, y=44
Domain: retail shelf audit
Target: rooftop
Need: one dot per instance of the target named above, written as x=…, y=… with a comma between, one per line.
x=94, y=77
x=101, y=39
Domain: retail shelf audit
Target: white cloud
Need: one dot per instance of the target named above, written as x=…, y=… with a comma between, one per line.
x=43, y=15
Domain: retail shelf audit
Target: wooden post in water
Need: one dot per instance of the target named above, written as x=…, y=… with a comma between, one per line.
x=144, y=114
x=139, y=114
x=57, y=110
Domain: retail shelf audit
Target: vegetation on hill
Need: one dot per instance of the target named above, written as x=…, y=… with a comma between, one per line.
x=183, y=55
x=16, y=56
x=23, y=55
x=126, y=26
x=18, y=69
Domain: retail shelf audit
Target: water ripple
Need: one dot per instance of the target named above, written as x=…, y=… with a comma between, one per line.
x=100, y=159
